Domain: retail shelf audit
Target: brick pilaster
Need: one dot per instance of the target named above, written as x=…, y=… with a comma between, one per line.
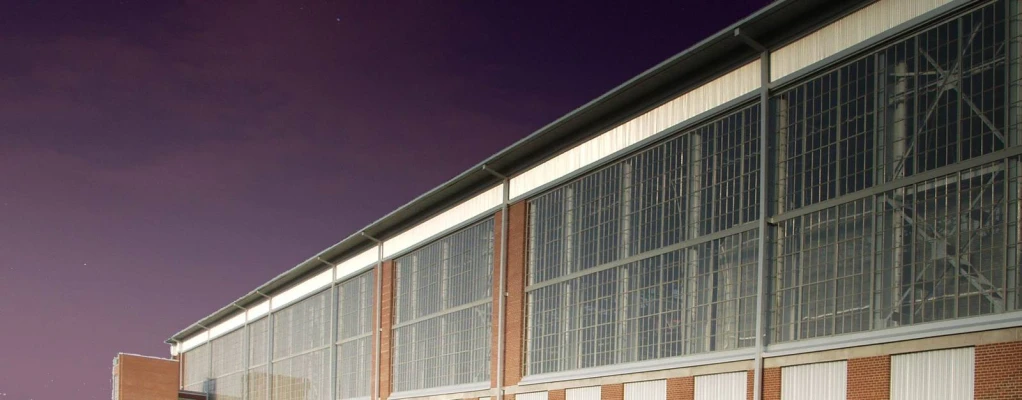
x=386, y=302
x=998, y=371
x=612, y=392
x=771, y=384
x=869, y=378
x=514, y=323
x=681, y=388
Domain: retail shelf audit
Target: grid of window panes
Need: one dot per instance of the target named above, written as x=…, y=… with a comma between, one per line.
x=700, y=182
x=258, y=352
x=689, y=301
x=919, y=250
x=443, y=308
x=228, y=373
x=196, y=368
x=355, y=337
x=301, y=352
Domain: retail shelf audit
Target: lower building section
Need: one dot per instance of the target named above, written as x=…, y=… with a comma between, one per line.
x=977, y=365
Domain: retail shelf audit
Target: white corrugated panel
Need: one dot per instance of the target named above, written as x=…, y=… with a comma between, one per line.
x=450, y=218
x=586, y=393
x=729, y=386
x=227, y=326
x=821, y=381
x=194, y=341
x=361, y=260
x=846, y=32
x=258, y=311
x=308, y=286
x=649, y=390
x=704, y=98
x=531, y=396
x=933, y=375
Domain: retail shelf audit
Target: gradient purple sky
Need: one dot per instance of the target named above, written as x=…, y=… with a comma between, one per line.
x=160, y=159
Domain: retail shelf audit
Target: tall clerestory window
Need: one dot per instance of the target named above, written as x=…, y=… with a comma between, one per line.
x=443, y=313
x=896, y=204
x=650, y=257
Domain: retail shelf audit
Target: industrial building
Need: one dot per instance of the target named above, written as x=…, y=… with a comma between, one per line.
x=818, y=202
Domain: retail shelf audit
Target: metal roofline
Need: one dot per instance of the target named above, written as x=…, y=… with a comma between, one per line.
x=522, y=154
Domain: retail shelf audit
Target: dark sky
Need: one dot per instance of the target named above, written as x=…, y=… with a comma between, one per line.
x=160, y=159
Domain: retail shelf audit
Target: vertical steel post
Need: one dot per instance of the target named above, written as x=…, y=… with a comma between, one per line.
x=333, y=328
x=245, y=343
x=209, y=358
x=764, y=150
x=269, y=345
x=180, y=365
x=1014, y=138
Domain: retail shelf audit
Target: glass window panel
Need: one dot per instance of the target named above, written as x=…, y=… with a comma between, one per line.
x=444, y=308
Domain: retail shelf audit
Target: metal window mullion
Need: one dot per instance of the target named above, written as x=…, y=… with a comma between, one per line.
x=443, y=368
x=837, y=143
x=623, y=303
x=569, y=235
x=958, y=227
x=695, y=174
x=649, y=254
x=333, y=323
x=451, y=310
x=270, y=317
x=1014, y=173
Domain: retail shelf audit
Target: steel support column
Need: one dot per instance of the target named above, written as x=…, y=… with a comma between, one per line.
x=764, y=168
x=269, y=345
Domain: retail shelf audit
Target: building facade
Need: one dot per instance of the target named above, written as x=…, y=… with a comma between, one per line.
x=820, y=202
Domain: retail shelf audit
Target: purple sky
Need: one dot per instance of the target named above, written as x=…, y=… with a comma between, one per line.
x=160, y=159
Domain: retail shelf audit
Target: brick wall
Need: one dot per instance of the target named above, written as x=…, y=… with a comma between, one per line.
x=386, y=302
x=495, y=320
x=612, y=392
x=869, y=378
x=147, y=378
x=681, y=388
x=750, y=383
x=556, y=394
x=998, y=372
x=771, y=383
x=514, y=324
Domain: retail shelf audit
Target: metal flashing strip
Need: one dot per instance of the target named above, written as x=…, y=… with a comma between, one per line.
x=227, y=326
x=642, y=366
x=301, y=290
x=452, y=310
x=965, y=165
x=734, y=230
x=921, y=331
x=258, y=311
x=195, y=341
x=360, y=262
x=469, y=387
